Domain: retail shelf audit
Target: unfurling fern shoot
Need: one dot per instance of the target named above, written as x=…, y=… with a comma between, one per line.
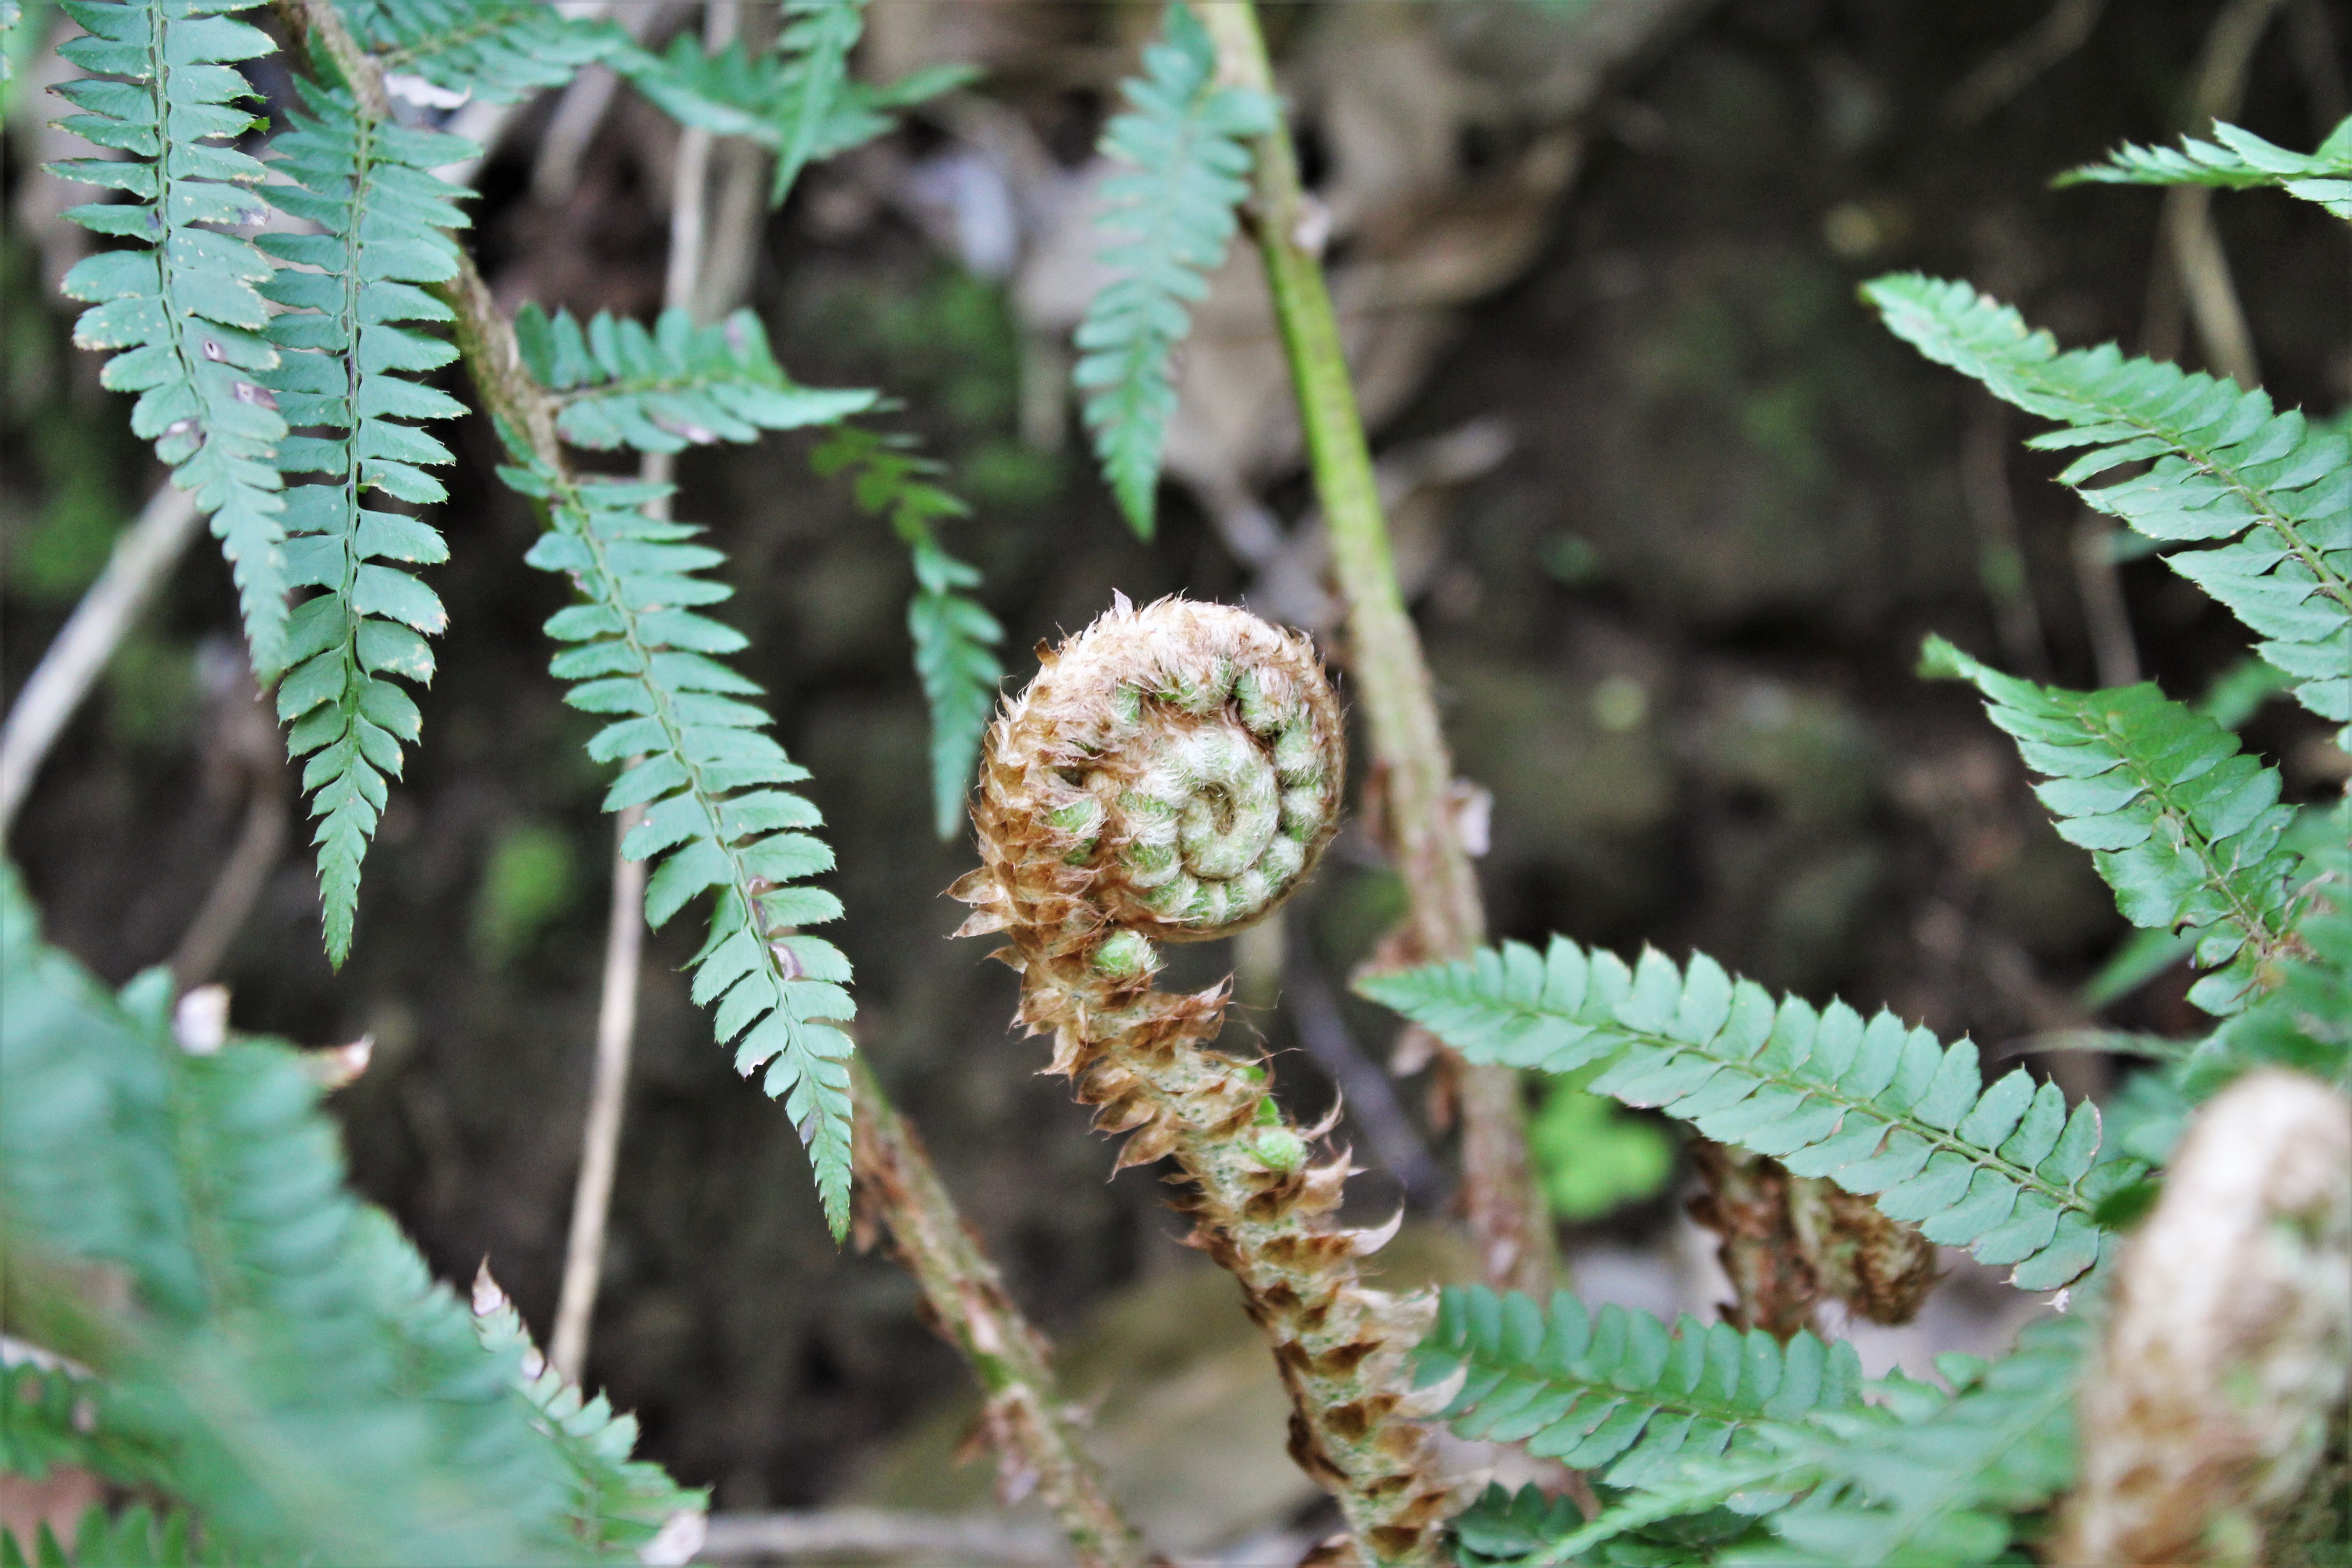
x=1170, y=776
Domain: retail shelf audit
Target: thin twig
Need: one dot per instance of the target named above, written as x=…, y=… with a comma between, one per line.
x=142, y=555
x=259, y=844
x=1508, y=1221
x=2010, y=71
x=2114, y=650
x=1036, y=1443
x=624, y=936
x=2203, y=267
x=2001, y=555
x=974, y=1538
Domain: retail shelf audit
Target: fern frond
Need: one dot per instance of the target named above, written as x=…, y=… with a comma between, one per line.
x=800, y=103
x=52, y=1417
x=2304, y=1022
x=643, y=654
x=1938, y=1489
x=316, y=1395
x=618, y=384
x=135, y=1538
x=1883, y=1111
x=2234, y=160
x=2183, y=824
x=498, y=50
x=617, y=1503
x=954, y=635
x=2271, y=495
x=182, y=307
x=350, y=289
x=1184, y=136
x=1618, y=1393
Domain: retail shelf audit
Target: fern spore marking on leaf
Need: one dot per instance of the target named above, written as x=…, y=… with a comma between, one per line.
x=2184, y=826
x=1883, y=1111
x=352, y=293
x=1184, y=137
x=183, y=309
x=2268, y=498
x=713, y=820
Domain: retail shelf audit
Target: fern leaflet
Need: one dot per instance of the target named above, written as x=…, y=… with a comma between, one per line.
x=182, y=307
x=2183, y=824
x=1883, y=1111
x=1937, y=1489
x=618, y=384
x=135, y=1538
x=383, y=217
x=498, y=50
x=643, y=654
x=617, y=1503
x=2235, y=160
x=954, y=635
x=2304, y=1022
x=312, y=1394
x=1184, y=134
x=1617, y=1392
x=2276, y=493
x=798, y=101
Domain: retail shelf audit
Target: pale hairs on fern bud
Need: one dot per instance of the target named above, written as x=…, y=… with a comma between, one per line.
x=2229, y=1340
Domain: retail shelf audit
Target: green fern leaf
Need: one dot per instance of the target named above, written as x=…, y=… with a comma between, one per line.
x=182, y=305
x=349, y=291
x=618, y=1504
x=1938, y=1488
x=134, y=1538
x=618, y=384
x=797, y=100
x=2305, y=1021
x=2269, y=494
x=2181, y=823
x=498, y=50
x=955, y=637
x=313, y=1394
x=1883, y=1111
x=713, y=821
x=1185, y=137
x=62, y=1416
x=1618, y=1393
x=2234, y=160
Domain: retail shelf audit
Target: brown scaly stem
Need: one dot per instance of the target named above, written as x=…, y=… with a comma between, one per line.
x=923, y=1218
x=1025, y=1418
x=1389, y=675
x=1171, y=774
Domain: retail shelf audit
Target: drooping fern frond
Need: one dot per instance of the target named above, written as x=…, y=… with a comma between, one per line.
x=498, y=50
x=2304, y=1022
x=1883, y=1111
x=312, y=1395
x=1184, y=134
x=617, y=1503
x=351, y=290
x=954, y=635
x=2183, y=824
x=798, y=100
x=1936, y=1486
x=1618, y=1393
x=2269, y=494
x=2234, y=160
x=706, y=773
x=182, y=305
x=618, y=384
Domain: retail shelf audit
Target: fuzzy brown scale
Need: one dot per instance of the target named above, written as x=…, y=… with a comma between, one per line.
x=1171, y=775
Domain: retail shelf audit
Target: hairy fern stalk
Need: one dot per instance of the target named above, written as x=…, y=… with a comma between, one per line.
x=1170, y=775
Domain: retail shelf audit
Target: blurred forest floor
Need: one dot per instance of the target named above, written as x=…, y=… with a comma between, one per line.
x=1676, y=509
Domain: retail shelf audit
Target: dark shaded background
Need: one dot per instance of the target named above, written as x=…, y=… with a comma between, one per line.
x=1673, y=629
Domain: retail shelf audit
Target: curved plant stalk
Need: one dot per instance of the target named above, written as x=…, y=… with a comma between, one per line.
x=1038, y=1446
x=1508, y=1220
x=1170, y=775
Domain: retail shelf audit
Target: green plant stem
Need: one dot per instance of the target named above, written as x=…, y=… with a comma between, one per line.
x=1388, y=670
x=1026, y=1416
x=958, y=1281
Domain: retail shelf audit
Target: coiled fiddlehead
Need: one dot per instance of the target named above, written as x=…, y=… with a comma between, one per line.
x=1170, y=775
